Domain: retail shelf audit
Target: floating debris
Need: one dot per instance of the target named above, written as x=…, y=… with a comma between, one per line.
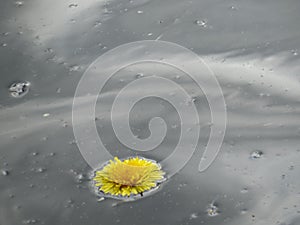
x=19, y=89
x=129, y=177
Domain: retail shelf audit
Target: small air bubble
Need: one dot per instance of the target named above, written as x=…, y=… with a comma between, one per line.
x=139, y=75
x=74, y=68
x=11, y=196
x=31, y=221
x=19, y=3
x=46, y=115
x=101, y=199
x=41, y=170
x=140, y=12
x=19, y=89
x=244, y=191
x=49, y=50
x=244, y=211
x=193, y=216
x=3, y=44
x=97, y=24
x=4, y=172
x=80, y=178
x=256, y=155
x=44, y=138
x=295, y=52
x=212, y=210
x=201, y=23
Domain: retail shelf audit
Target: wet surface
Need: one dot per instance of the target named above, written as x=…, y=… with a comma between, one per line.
x=252, y=47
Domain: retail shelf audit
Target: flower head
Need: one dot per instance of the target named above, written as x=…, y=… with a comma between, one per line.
x=125, y=178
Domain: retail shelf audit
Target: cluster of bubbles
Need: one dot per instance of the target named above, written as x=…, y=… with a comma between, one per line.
x=256, y=154
x=19, y=89
x=212, y=210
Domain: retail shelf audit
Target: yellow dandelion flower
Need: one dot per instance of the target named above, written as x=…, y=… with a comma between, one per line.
x=129, y=177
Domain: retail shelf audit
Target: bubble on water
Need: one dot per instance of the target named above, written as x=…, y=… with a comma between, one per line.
x=201, y=23
x=80, y=178
x=19, y=89
x=295, y=52
x=139, y=75
x=244, y=211
x=49, y=50
x=256, y=154
x=46, y=115
x=69, y=203
x=44, y=138
x=40, y=170
x=30, y=221
x=19, y=3
x=73, y=5
x=244, y=190
x=212, y=210
x=97, y=23
x=4, y=172
x=100, y=199
x=174, y=126
x=3, y=44
x=194, y=216
x=74, y=68
x=140, y=12
x=11, y=195
x=291, y=167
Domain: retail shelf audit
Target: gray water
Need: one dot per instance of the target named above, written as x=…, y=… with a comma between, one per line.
x=252, y=47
